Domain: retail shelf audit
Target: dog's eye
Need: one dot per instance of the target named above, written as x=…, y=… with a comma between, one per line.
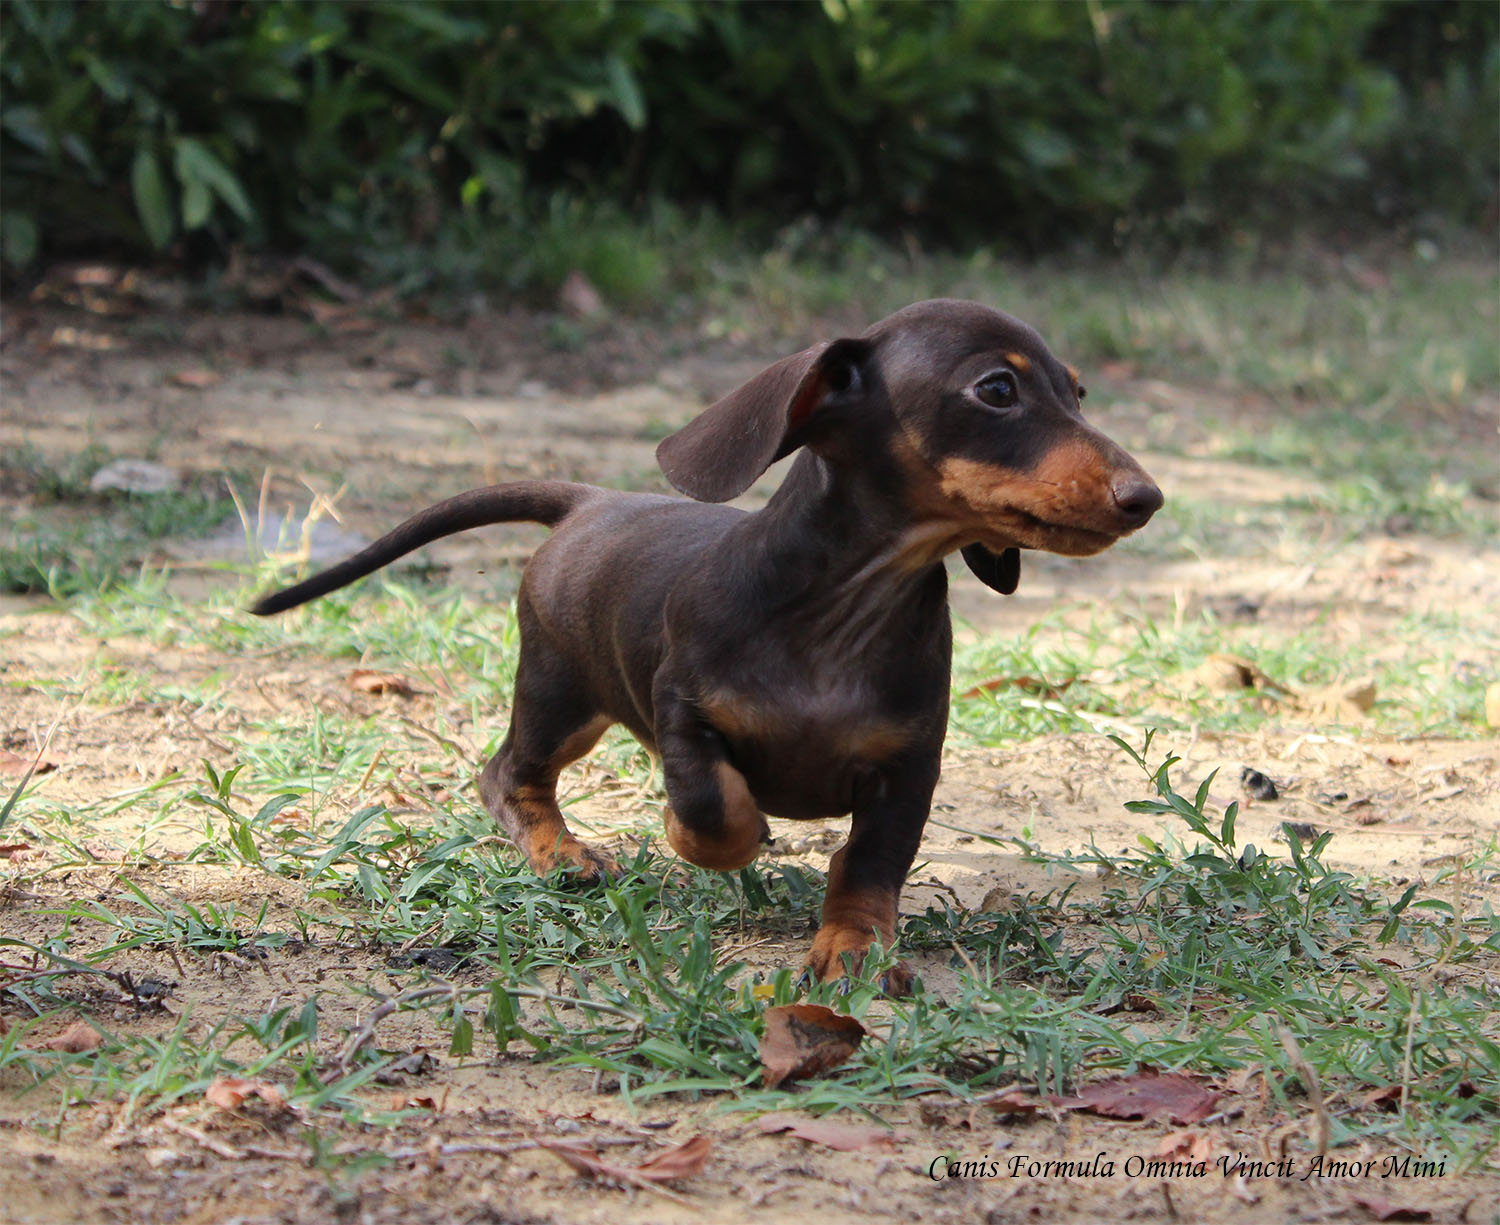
x=998, y=390
x=1082, y=391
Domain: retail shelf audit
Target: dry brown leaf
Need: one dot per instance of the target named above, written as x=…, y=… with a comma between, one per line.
x=416, y=1103
x=15, y=764
x=803, y=1040
x=1344, y=702
x=579, y=297
x=1383, y=1210
x=345, y=320
x=77, y=1038
x=80, y=338
x=1146, y=1095
x=1027, y=684
x=845, y=1137
x=681, y=1162
x=1239, y=1080
x=1222, y=673
x=1013, y=1101
x=231, y=1092
x=367, y=680
x=196, y=378
x=14, y=850
x=1192, y=1146
x=1387, y=1097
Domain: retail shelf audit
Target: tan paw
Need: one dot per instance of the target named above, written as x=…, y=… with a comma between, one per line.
x=828, y=959
x=578, y=859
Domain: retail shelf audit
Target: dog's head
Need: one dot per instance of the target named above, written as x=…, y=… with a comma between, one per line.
x=979, y=422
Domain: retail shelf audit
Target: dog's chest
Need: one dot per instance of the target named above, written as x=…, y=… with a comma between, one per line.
x=808, y=726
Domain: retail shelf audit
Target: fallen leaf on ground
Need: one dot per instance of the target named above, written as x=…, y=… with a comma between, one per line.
x=1387, y=1097
x=231, y=1092
x=846, y=1137
x=77, y=1038
x=1146, y=1095
x=803, y=1040
x=1013, y=1101
x=1186, y=1146
x=579, y=297
x=1345, y=702
x=344, y=320
x=1222, y=673
x=15, y=764
x=79, y=338
x=681, y=1162
x=402, y=1102
x=1027, y=684
x=1384, y=1210
x=14, y=850
x=367, y=680
x=196, y=378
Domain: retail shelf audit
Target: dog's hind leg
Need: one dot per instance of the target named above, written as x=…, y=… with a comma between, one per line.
x=553, y=723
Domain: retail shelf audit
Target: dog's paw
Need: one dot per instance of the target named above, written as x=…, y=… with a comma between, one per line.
x=578, y=861
x=836, y=952
x=897, y=982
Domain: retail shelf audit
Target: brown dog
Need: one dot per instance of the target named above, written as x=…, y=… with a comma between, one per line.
x=794, y=660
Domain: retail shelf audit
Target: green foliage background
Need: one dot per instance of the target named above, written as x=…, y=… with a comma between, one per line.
x=350, y=129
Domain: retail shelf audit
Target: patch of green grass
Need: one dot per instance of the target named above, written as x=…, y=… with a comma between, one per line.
x=1121, y=670
x=73, y=540
x=1304, y=331
x=1199, y=954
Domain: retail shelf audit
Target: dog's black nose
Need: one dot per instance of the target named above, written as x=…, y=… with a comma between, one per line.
x=1137, y=498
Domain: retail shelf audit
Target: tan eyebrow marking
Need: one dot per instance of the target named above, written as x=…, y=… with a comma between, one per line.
x=1018, y=362
x=1073, y=374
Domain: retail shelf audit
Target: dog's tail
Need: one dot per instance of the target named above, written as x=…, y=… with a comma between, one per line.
x=518, y=501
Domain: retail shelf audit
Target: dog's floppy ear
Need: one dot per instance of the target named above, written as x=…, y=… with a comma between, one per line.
x=718, y=455
x=1000, y=571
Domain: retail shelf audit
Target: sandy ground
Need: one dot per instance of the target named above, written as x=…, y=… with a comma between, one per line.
x=404, y=414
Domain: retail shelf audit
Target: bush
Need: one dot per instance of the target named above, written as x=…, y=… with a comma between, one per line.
x=362, y=132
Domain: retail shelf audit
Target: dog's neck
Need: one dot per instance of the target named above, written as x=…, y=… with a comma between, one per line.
x=838, y=544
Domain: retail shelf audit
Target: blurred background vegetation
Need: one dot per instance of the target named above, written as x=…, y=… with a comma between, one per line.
x=498, y=145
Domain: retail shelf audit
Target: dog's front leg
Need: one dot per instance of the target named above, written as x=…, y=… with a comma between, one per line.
x=712, y=819
x=866, y=874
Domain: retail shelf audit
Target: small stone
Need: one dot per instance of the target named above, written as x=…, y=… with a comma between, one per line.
x=1257, y=785
x=134, y=476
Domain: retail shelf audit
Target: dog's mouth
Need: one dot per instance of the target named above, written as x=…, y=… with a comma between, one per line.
x=1029, y=531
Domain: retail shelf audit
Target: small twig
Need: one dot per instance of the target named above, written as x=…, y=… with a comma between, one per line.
x=204, y=1139
x=374, y=761
x=1411, y=1033
x=490, y=1148
x=614, y=1174
x=1310, y=1082
x=446, y=743
x=456, y=994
